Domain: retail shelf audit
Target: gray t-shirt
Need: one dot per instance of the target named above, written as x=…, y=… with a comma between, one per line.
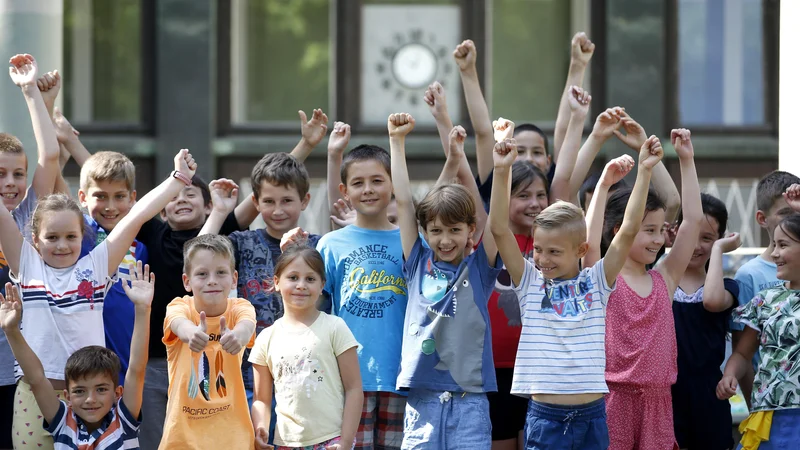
x=22, y=213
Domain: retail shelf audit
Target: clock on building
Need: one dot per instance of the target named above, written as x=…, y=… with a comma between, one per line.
x=403, y=50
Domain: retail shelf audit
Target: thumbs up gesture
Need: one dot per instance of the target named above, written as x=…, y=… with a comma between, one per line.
x=198, y=339
x=229, y=340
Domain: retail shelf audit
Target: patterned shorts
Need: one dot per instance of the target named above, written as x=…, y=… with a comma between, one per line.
x=28, y=428
x=381, y=426
x=320, y=446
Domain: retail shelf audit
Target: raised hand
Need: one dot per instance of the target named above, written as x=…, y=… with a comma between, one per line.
x=503, y=129
x=340, y=137
x=262, y=439
x=23, y=70
x=295, y=236
x=579, y=100
x=729, y=243
x=343, y=214
x=10, y=308
x=64, y=130
x=466, y=55
x=184, y=163
x=224, y=195
x=198, y=339
x=142, y=285
x=682, y=141
x=792, y=196
x=582, y=49
x=651, y=152
x=229, y=340
x=49, y=85
x=634, y=135
x=608, y=122
x=315, y=129
x=726, y=388
x=436, y=100
x=616, y=169
x=505, y=153
x=400, y=124
x=457, y=137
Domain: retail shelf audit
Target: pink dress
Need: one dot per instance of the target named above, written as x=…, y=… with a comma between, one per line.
x=641, y=365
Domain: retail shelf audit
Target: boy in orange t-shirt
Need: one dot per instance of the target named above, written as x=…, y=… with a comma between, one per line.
x=206, y=335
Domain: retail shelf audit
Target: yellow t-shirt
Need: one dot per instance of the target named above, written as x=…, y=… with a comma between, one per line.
x=207, y=406
x=309, y=393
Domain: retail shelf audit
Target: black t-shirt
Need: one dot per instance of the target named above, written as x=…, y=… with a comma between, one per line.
x=485, y=188
x=701, y=333
x=165, y=249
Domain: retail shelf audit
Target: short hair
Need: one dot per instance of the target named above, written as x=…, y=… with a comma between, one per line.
x=10, y=144
x=216, y=244
x=280, y=169
x=615, y=212
x=563, y=216
x=771, y=188
x=204, y=190
x=531, y=127
x=366, y=152
x=108, y=166
x=92, y=360
x=450, y=203
x=590, y=184
x=310, y=256
x=55, y=203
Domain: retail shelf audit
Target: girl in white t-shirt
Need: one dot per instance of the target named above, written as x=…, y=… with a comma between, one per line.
x=63, y=293
x=310, y=358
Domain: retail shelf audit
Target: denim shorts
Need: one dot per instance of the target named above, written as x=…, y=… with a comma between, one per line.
x=785, y=431
x=566, y=427
x=446, y=420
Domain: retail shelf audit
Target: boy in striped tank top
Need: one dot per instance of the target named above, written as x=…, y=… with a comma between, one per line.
x=561, y=356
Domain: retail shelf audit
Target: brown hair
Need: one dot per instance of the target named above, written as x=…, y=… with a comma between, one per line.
x=108, y=166
x=310, y=256
x=10, y=144
x=54, y=203
x=280, y=169
x=362, y=153
x=216, y=244
x=451, y=203
x=564, y=216
x=92, y=360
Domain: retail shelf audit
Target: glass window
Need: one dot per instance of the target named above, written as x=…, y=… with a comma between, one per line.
x=721, y=62
x=103, y=61
x=529, y=58
x=281, y=59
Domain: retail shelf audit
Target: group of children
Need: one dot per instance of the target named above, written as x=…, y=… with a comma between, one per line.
x=492, y=313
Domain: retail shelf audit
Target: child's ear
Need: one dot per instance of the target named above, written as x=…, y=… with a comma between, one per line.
x=343, y=191
x=207, y=209
x=583, y=248
x=82, y=197
x=275, y=284
x=119, y=390
x=186, y=283
x=133, y=196
x=616, y=229
x=66, y=396
x=254, y=199
x=472, y=229
x=304, y=201
x=235, y=278
x=163, y=215
x=761, y=218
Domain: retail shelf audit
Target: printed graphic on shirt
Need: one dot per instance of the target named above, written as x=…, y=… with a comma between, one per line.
x=258, y=287
x=201, y=375
x=299, y=370
x=376, y=290
x=568, y=300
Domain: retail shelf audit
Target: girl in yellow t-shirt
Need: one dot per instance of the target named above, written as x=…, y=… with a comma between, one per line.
x=310, y=358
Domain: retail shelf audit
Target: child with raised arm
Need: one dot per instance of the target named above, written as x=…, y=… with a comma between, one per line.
x=563, y=310
x=95, y=412
x=205, y=335
x=447, y=351
x=641, y=349
x=310, y=358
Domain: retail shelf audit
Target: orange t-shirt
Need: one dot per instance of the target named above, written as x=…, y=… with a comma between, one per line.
x=207, y=406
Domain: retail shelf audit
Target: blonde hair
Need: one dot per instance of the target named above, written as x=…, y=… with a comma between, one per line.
x=10, y=144
x=54, y=203
x=450, y=203
x=564, y=216
x=108, y=166
x=216, y=244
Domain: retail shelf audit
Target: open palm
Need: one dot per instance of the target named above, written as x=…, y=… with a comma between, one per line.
x=10, y=308
x=23, y=70
x=142, y=284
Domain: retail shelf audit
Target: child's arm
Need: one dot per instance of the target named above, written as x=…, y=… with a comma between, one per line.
x=455, y=154
x=579, y=106
x=465, y=55
x=792, y=196
x=738, y=363
x=224, y=195
x=581, y=54
x=10, y=315
x=10, y=240
x=674, y=264
x=189, y=333
x=140, y=292
x=505, y=153
x=604, y=127
x=399, y=126
x=650, y=154
x=233, y=341
x=23, y=72
x=312, y=131
x=615, y=170
x=68, y=137
x=337, y=143
x=261, y=411
x=119, y=240
x=715, y=297
x=437, y=102
x=634, y=137
x=353, y=397
x=49, y=85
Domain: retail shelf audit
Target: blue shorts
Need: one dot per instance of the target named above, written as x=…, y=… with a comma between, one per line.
x=444, y=420
x=566, y=427
x=785, y=431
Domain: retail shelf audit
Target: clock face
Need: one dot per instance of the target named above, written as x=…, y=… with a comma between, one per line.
x=414, y=66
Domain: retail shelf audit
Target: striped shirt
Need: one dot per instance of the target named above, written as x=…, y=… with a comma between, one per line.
x=119, y=430
x=562, y=346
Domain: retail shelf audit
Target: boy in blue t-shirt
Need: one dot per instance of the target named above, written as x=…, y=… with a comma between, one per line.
x=447, y=363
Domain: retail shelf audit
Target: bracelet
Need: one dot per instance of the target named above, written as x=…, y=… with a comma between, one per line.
x=186, y=180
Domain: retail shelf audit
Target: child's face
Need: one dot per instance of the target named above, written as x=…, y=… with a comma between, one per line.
x=369, y=187
x=210, y=280
x=779, y=211
x=650, y=238
x=280, y=207
x=556, y=253
x=59, y=238
x=525, y=205
x=92, y=397
x=530, y=147
x=299, y=285
x=187, y=210
x=785, y=255
x=13, y=178
x=709, y=233
x=448, y=241
x=107, y=202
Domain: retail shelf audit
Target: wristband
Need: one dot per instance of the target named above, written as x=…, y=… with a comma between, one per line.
x=186, y=180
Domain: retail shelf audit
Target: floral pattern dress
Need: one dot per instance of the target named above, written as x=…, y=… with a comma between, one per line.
x=775, y=314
